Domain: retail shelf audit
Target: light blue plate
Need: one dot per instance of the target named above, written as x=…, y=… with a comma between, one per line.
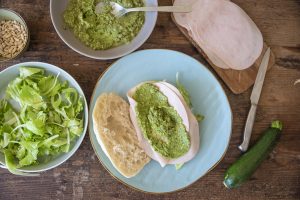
x=208, y=98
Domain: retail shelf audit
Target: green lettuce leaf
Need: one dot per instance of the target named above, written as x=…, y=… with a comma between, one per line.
x=28, y=71
x=36, y=126
x=185, y=94
x=178, y=166
x=30, y=97
x=12, y=167
x=49, y=119
x=13, y=89
x=31, y=153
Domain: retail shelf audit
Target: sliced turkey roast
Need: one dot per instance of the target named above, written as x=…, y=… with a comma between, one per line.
x=177, y=101
x=226, y=34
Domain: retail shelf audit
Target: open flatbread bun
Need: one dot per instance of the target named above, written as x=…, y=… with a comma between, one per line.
x=116, y=135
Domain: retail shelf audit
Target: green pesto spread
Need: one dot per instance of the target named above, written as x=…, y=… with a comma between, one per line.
x=160, y=123
x=103, y=31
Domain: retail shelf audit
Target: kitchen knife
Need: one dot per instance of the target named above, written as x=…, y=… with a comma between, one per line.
x=259, y=81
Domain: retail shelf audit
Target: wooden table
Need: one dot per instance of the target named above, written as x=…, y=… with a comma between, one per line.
x=83, y=177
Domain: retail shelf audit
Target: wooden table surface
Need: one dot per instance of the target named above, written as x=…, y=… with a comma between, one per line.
x=83, y=177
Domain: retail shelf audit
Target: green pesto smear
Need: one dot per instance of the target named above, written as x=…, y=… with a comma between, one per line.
x=160, y=123
x=103, y=31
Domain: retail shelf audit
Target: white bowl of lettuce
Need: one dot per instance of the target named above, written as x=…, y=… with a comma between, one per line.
x=43, y=117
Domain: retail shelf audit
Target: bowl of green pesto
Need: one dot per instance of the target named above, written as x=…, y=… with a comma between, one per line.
x=102, y=35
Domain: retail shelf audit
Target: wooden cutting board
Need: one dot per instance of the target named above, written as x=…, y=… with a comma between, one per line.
x=237, y=80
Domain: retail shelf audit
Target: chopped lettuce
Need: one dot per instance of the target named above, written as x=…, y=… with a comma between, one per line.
x=10, y=164
x=183, y=91
x=49, y=119
x=187, y=97
x=178, y=166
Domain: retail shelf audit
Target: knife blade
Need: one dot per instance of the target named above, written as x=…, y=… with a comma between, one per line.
x=254, y=98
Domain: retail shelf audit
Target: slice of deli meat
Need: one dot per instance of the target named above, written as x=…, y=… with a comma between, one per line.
x=183, y=18
x=232, y=35
x=210, y=54
x=193, y=128
x=144, y=144
x=189, y=20
x=225, y=33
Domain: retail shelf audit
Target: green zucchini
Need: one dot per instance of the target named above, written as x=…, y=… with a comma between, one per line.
x=244, y=167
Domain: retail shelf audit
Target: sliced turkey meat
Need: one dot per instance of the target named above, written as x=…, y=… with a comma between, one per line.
x=176, y=100
x=227, y=35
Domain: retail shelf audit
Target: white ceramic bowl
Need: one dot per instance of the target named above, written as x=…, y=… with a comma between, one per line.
x=11, y=73
x=57, y=8
x=7, y=14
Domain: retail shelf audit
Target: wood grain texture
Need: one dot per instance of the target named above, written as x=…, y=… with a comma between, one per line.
x=83, y=177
